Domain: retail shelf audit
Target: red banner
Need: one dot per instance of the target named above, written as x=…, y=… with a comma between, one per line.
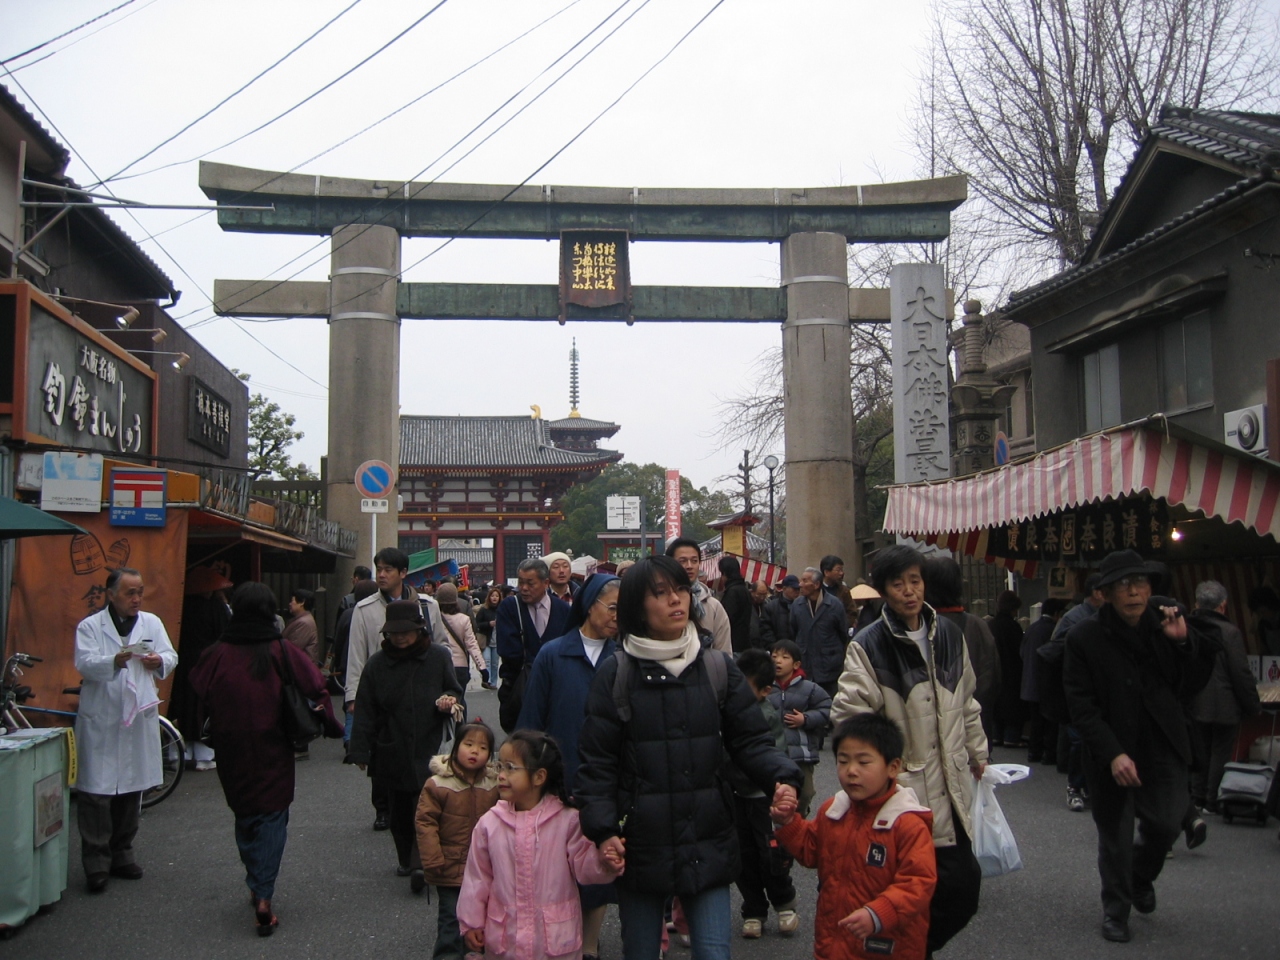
x=673, y=505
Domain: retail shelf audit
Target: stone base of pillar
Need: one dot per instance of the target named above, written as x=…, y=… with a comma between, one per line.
x=823, y=520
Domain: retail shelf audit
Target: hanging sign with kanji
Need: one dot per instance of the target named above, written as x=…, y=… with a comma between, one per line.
x=595, y=274
x=1087, y=533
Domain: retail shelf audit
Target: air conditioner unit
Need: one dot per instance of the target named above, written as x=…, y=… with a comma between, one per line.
x=1246, y=429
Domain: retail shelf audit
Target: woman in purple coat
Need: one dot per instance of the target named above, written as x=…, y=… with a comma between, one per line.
x=239, y=686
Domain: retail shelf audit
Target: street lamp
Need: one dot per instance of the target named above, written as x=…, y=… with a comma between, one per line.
x=771, y=464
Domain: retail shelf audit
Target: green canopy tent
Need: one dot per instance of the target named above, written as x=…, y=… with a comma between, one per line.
x=19, y=520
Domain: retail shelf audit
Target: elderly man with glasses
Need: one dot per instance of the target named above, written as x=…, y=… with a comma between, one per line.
x=1127, y=672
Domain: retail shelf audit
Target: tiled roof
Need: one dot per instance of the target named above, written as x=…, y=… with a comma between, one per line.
x=475, y=556
x=1022, y=297
x=581, y=423
x=487, y=442
x=14, y=107
x=1248, y=141
x=111, y=233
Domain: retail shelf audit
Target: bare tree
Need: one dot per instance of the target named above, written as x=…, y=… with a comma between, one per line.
x=1041, y=102
x=755, y=417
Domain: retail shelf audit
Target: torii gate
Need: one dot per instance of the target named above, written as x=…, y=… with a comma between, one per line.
x=364, y=301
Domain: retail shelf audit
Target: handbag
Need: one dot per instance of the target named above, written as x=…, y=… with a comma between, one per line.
x=300, y=720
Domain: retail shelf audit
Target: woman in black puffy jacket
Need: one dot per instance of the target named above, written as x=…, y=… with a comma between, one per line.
x=652, y=751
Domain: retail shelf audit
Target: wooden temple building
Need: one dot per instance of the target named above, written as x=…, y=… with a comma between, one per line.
x=487, y=490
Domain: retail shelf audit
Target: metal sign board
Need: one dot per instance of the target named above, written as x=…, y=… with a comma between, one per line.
x=375, y=478
x=71, y=482
x=595, y=274
x=622, y=513
x=138, y=497
x=208, y=418
x=374, y=505
x=81, y=394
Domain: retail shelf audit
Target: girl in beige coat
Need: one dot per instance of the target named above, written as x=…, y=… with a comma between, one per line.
x=462, y=788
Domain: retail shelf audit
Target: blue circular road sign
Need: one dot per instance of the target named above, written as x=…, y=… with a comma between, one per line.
x=374, y=479
x=1002, y=449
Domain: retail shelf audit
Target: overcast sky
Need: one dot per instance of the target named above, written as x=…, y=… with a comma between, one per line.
x=802, y=93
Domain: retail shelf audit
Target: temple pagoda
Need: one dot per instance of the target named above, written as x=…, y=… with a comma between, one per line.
x=491, y=486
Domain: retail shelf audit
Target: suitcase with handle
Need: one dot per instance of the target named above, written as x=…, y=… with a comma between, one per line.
x=1247, y=790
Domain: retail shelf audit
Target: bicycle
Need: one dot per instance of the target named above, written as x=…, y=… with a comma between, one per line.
x=14, y=707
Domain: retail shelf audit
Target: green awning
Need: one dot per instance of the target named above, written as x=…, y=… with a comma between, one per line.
x=19, y=520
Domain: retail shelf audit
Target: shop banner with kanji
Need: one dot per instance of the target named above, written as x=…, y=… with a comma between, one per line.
x=1087, y=533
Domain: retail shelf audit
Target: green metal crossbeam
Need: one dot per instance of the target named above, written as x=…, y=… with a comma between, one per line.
x=916, y=211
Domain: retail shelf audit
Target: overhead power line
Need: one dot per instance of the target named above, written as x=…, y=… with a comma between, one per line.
x=70, y=146
x=422, y=186
x=231, y=96
x=400, y=109
x=65, y=33
x=572, y=140
x=305, y=100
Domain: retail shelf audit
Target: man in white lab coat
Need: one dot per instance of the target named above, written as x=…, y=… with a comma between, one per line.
x=117, y=727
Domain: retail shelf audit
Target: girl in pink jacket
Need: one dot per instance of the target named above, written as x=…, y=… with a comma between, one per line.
x=519, y=895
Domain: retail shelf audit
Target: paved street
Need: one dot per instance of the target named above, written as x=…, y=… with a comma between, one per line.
x=338, y=896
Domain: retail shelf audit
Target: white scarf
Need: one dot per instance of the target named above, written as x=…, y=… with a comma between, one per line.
x=672, y=655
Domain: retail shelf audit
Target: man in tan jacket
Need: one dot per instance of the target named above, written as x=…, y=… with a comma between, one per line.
x=912, y=667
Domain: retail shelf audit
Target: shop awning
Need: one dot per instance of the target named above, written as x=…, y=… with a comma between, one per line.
x=1153, y=456
x=214, y=526
x=752, y=570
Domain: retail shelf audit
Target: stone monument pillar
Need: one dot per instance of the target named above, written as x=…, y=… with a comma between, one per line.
x=921, y=375
x=364, y=377
x=817, y=404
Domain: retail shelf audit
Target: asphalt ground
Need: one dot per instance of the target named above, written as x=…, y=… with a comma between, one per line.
x=338, y=896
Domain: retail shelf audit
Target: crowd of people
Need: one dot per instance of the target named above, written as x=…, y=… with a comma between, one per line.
x=661, y=740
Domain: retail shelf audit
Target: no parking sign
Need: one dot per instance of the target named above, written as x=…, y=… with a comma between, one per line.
x=374, y=479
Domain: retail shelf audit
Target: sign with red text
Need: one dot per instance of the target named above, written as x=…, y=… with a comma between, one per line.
x=674, y=526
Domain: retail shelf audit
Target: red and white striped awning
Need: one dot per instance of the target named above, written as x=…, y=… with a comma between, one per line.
x=752, y=570
x=1153, y=457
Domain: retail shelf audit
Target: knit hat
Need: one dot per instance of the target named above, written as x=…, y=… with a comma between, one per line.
x=790, y=580
x=446, y=593
x=403, y=616
x=1127, y=563
x=551, y=558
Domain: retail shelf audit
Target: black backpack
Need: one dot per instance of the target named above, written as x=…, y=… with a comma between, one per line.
x=712, y=660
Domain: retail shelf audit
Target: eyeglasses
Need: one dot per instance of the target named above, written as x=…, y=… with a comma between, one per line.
x=506, y=766
x=1137, y=580
x=611, y=607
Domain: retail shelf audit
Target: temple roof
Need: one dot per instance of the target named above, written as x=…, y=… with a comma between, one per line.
x=488, y=442
x=584, y=424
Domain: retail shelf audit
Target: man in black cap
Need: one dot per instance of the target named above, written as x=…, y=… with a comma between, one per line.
x=1126, y=673
x=407, y=690
x=775, y=615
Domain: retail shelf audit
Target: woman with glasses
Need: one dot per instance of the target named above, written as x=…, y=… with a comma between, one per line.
x=660, y=722
x=555, y=702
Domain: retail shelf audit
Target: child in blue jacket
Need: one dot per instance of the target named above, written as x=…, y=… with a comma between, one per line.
x=805, y=709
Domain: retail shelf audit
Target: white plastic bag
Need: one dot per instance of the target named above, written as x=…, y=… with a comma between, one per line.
x=993, y=842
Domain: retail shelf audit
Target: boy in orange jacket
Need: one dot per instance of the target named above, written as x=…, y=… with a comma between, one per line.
x=872, y=844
